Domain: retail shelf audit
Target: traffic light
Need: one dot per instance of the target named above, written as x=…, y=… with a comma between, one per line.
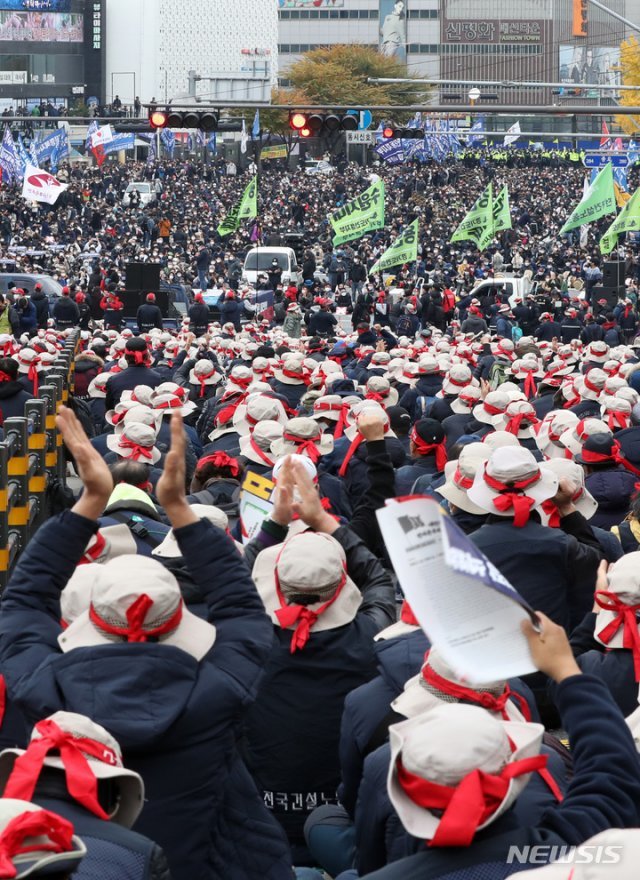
x=391, y=132
x=316, y=124
x=206, y=120
x=580, y=20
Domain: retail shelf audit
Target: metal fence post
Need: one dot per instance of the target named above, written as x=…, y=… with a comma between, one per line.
x=15, y=432
x=48, y=395
x=4, y=516
x=35, y=411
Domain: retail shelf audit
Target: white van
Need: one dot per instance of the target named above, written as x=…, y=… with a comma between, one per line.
x=260, y=259
x=505, y=284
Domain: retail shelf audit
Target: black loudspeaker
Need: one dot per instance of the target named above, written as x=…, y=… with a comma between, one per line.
x=132, y=299
x=611, y=294
x=142, y=276
x=613, y=274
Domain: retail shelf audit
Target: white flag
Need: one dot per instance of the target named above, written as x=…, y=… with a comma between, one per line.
x=512, y=135
x=103, y=135
x=243, y=138
x=40, y=186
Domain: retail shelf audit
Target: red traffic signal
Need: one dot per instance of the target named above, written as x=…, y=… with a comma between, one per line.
x=297, y=121
x=387, y=132
x=158, y=119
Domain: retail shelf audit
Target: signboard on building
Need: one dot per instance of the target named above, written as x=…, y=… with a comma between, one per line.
x=492, y=30
x=95, y=47
x=37, y=5
x=361, y=137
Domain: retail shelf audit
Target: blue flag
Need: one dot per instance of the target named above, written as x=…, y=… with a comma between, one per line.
x=255, y=131
x=168, y=139
x=9, y=161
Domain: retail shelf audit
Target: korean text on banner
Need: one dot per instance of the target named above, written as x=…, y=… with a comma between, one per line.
x=628, y=220
x=245, y=209
x=403, y=250
x=477, y=226
x=471, y=614
x=40, y=186
x=362, y=214
x=600, y=199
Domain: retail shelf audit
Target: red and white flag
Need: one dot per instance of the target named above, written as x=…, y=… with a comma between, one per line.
x=40, y=186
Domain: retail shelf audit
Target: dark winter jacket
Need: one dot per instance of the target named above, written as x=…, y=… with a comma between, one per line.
x=613, y=489
x=199, y=318
x=13, y=397
x=127, y=381
x=148, y=316
x=292, y=730
x=65, y=313
x=41, y=302
x=175, y=718
x=231, y=312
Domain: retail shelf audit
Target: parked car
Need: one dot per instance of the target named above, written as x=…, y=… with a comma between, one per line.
x=148, y=192
x=51, y=287
x=259, y=259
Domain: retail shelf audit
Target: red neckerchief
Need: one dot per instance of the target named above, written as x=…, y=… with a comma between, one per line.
x=41, y=824
x=424, y=448
x=137, y=451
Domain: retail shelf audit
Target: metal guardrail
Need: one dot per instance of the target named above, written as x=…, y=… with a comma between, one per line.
x=30, y=456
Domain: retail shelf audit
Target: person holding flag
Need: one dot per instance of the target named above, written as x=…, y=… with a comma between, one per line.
x=246, y=209
x=598, y=201
x=478, y=225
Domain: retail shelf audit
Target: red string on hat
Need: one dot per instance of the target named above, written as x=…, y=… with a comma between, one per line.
x=173, y=403
x=32, y=374
x=5, y=377
x=303, y=445
x=302, y=615
x=203, y=381
x=220, y=460
x=451, y=381
x=521, y=504
x=136, y=614
x=468, y=399
x=260, y=452
x=139, y=357
x=590, y=457
x=551, y=509
x=589, y=384
x=616, y=419
x=40, y=823
x=82, y=783
x=626, y=617
x=530, y=388
x=95, y=552
x=293, y=374
x=351, y=451
x=492, y=410
x=138, y=451
x=469, y=804
x=514, y=425
x=342, y=408
x=241, y=383
x=425, y=448
x=497, y=704
x=226, y=414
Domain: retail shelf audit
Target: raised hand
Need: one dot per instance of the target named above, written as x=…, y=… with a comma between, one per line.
x=91, y=467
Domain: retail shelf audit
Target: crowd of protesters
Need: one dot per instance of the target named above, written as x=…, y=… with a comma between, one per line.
x=191, y=693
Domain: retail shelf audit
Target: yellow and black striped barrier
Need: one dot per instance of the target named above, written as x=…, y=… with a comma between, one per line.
x=31, y=455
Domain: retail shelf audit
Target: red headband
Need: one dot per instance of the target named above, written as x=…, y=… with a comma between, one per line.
x=424, y=448
x=509, y=498
x=137, y=451
x=40, y=823
x=626, y=617
x=303, y=445
x=136, y=614
x=480, y=698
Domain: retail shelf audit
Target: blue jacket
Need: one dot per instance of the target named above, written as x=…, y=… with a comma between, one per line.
x=292, y=730
x=127, y=381
x=613, y=489
x=176, y=719
x=426, y=386
x=603, y=793
x=368, y=705
x=424, y=465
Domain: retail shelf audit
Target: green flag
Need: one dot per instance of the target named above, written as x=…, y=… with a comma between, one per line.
x=360, y=215
x=599, y=199
x=477, y=226
x=628, y=220
x=246, y=208
x=403, y=250
x=501, y=211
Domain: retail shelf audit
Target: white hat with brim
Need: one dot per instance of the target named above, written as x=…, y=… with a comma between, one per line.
x=257, y=408
x=574, y=443
x=167, y=404
x=111, y=597
x=142, y=437
x=408, y=375
x=459, y=476
x=396, y=630
x=511, y=464
x=447, y=744
x=263, y=436
x=98, y=386
x=204, y=372
x=623, y=580
x=131, y=787
x=498, y=400
x=296, y=368
x=466, y=400
x=583, y=500
x=418, y=697
x=140, y=415
x=552, y=427
x=141, y=394
x=169, y=548
x=40, y=861
x=118, y=541
x=380, y=386
x=459, y=378
x=298, y=431
x=306, y=563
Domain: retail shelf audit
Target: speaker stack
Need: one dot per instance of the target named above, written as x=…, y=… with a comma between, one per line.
x=141, y=279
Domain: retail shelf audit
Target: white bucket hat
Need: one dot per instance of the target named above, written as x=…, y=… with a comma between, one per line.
x=304, y=436
x=140, y=415
x=34, y=853
x=157, y=612
x=583, y=500
x=408, y=375
x=292, y=372
x=98, y=386
x=169, y=403
x=107, y=543
x=596, y=352
x=379, y=389
x=512, y=483
x=492, y=408
x=498, y=440
x=84, y=737
x=521, y=419
x=590, y=386
x=169, y=548
x=460, y=475
x=444, y=747
x=308, y=564
x=616, y=625
x=141, y=394
x=575, y=438
x=256, y=446
x=258, y=408
x=553, y=426
x=459, y=378
x=437, y=683
x=203, y=374
x=137, y=442
x=466, y=400
x=616, y=412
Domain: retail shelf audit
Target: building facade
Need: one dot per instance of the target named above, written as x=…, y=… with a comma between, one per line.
x=469, y=41
x=51, y=52
x=155, y=43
